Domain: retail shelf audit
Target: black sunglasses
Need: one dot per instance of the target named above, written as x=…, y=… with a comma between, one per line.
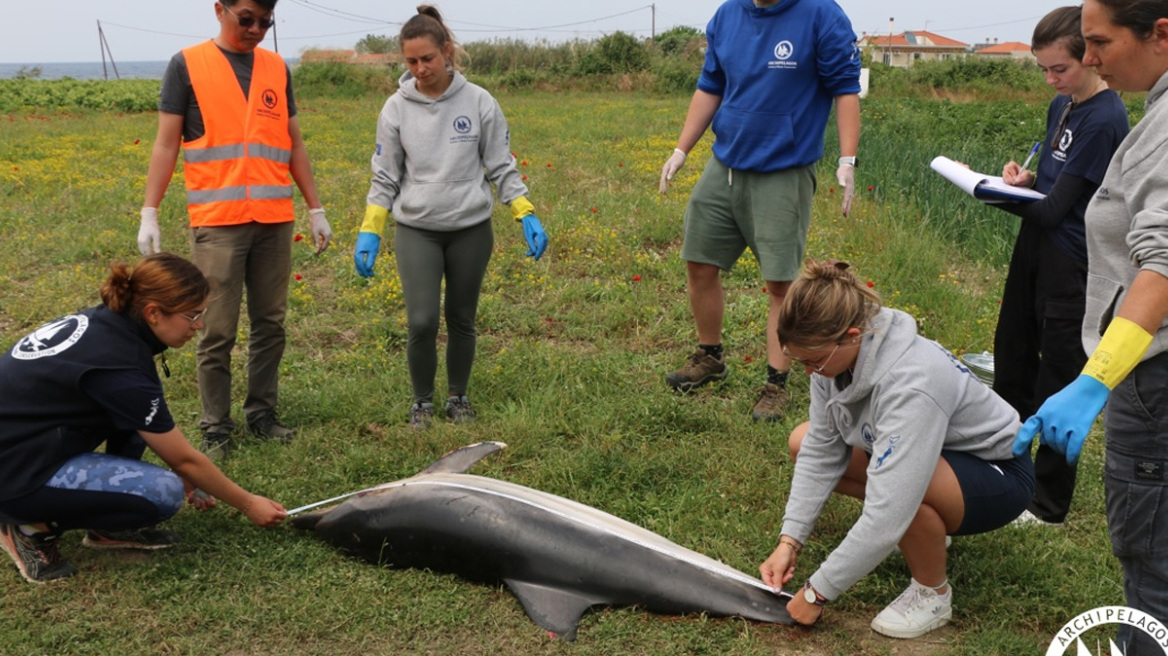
x=247, y=21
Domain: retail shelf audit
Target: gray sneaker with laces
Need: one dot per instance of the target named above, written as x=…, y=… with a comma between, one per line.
x=267, y=427
x=420, y=415
x=701, y=369
x=36, y=555
x=458, y=410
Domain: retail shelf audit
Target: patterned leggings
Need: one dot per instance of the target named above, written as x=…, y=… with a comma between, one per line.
x=101, y=491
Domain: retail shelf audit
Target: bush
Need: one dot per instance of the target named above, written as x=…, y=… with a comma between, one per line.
x=615, y=53
x=342, y=80
x=131, y=95
x=676, y=41
x=979, y=74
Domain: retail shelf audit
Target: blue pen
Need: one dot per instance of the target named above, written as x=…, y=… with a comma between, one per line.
x=1033, y=152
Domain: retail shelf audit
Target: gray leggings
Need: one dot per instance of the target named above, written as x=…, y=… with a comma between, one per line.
x=424, y=257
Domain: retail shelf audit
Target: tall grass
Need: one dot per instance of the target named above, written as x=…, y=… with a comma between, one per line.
x=572, y=354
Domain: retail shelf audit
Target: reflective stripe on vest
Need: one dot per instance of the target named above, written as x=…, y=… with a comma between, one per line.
x=238, y=171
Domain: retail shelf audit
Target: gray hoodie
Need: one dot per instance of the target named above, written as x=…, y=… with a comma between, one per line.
x=1127, y=221
x=908, y=399
x=437, y=157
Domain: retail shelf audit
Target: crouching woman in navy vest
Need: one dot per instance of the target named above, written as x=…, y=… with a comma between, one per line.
x=89, y=378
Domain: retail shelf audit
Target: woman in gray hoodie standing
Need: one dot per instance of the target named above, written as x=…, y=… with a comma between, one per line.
x=898, y=422
x=441, y=143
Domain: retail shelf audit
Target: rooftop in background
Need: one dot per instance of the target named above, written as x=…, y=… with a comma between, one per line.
x=920, y=39
x=907, y=48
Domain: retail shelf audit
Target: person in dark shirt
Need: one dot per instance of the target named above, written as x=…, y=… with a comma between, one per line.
x=90, y=378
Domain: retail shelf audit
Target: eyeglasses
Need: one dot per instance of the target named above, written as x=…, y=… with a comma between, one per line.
x=194, y=319
x=247, y=21
x=811, y=364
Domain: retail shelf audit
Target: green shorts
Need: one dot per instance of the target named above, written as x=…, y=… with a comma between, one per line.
x=770, y=213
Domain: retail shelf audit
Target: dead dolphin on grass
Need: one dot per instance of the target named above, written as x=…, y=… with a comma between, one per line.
x=559, y=557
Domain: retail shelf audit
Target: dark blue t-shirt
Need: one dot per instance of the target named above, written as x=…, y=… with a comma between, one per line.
x=1080, y=142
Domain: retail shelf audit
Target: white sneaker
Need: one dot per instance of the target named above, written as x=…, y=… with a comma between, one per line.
x=918, y=610
x=1028, y=518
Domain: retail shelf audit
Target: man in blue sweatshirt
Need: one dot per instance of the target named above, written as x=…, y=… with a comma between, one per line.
x=772, y=70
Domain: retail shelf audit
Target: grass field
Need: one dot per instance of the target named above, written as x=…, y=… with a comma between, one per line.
x=572, y=356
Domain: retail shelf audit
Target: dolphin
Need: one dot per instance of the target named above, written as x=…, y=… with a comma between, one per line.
x=559, y=557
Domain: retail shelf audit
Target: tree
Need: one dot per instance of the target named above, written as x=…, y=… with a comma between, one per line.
x=375, y=44
x=674, y=40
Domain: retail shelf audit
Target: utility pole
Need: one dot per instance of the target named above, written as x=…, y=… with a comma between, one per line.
x=106, y=49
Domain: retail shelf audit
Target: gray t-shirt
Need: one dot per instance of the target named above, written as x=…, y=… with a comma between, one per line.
x=177, y=96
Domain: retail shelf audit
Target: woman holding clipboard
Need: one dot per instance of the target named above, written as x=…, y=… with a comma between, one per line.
x=1037, y=347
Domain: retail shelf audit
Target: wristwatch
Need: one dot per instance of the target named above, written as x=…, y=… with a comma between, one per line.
x=811, y=596
x=853, y=160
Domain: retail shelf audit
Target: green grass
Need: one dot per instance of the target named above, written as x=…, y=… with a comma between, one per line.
x=572, y=355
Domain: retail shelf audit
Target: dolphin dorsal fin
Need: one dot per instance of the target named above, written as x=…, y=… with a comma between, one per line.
x=554, y=609
x=463, y=458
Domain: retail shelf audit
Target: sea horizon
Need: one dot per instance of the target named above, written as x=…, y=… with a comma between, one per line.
x=92, y=70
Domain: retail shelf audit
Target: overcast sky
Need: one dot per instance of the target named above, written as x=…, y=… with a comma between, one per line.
x=66, y=30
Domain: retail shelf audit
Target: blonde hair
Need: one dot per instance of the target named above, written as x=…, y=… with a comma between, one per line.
x=172, y=283
x=428, y=22
x=825, y=301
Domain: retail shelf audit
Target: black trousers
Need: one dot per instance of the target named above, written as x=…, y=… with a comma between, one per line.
x=1038, y=349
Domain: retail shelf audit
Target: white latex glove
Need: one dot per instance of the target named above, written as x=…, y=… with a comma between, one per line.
x=149, y=237
x=846, y=176
x=321, y=232
x=672, y=166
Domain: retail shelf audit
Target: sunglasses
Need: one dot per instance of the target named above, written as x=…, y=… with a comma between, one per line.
x=814, y=365
x=247, y=21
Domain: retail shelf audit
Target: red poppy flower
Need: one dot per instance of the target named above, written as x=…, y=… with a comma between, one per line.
x=525, y=177
x=636, y=278
x=871, y=284
x=831, y=191
x=549, y=165
x=524, y=162
x=594, y=210
x=748, y=359
x=298, y=237
x=298, y=277
x=871, y=188
x=621, y=164
x=137, y=141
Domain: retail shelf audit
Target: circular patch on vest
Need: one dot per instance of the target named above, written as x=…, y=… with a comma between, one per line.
x=51, y=338
x=270, y=98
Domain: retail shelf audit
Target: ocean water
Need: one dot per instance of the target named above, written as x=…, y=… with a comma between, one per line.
x=152, y=70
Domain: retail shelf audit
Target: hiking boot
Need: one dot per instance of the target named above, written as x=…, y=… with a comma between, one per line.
x=702, y=368
x=918, y=610
x=267, y=427
x=138, y=538
x=458, y=410
x=215, y=445
x=420, y=415
x=36, y=556
x=772, y=400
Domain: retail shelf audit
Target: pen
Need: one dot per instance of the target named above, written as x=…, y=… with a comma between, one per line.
x=1031, y=155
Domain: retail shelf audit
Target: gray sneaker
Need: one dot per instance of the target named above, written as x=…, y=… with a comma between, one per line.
x=420, y=415
x=701, y=369
x=267, y=427
x=458, y=409
x=772, y=401
x=36, y=556
x=215, y=445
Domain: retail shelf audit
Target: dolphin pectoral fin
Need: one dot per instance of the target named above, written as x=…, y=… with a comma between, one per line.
x=554, y=609
x=463, y=458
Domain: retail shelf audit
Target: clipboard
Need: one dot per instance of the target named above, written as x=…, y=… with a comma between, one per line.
x=986, y=188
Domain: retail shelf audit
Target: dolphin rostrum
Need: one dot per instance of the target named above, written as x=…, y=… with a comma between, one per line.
x=559, y=557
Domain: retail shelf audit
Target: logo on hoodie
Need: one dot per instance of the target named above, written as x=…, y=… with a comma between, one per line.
x=51, y=338
x=462, y=125
x=887, y=453
x=783, y=52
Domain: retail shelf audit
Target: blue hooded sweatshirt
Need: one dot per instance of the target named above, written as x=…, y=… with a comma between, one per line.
x=777, y=70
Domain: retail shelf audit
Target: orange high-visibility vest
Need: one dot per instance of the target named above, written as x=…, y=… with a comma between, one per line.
x=237, y=172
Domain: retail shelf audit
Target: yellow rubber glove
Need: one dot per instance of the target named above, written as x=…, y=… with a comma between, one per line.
x=375, y=218
x=1120, y=350
x=521, y=207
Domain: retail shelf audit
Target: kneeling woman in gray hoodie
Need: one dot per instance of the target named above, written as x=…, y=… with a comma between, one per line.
x=898, y=422
x=441, y=143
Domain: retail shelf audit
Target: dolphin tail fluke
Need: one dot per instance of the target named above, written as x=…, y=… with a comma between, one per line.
x=463, y=458
x=554, y=609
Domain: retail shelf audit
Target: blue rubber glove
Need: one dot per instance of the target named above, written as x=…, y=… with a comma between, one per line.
x=537, y=239
x=365, y=255
x=1065, y=418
